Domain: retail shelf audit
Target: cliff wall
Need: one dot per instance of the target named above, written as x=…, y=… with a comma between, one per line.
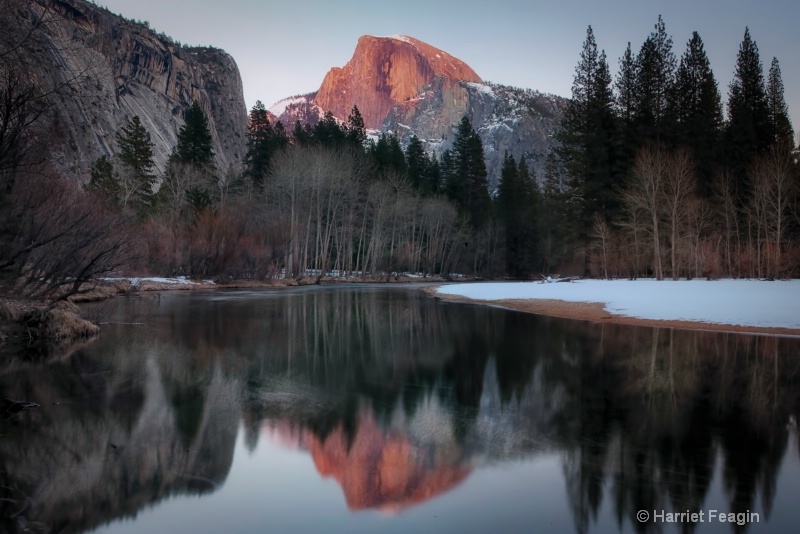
x=109, y=69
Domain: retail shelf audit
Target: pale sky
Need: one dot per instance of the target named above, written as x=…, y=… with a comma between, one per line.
x=285, y=48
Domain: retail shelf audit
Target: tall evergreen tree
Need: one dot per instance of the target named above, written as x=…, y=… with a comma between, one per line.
x=588, y=138
x=433, y=175
x=655, y=72
x=558, y=222
x=328, y=132
x=625, y=85
x=136, y=153
x=280, y=139
x=467, y=183
x=780, y=124
x=260, y=144
x=136, y=149
x=417, y=164
x=388, y=155
x=517, y=206
x=748, y=133
x=697, y=111
x=194, y=139
x=397, y=158
x=446, y=172
x=625, y=110
x=104, y=180
x=301, y=135
x=356, y=131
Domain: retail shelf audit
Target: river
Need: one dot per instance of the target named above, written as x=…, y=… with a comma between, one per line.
x=377, y=408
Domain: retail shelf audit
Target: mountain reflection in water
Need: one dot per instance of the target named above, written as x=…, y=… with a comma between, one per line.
x=400, y=399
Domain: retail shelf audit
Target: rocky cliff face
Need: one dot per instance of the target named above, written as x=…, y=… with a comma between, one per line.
x=406, y=87
x=518, y=121
x=116, y=69
x=384, y=72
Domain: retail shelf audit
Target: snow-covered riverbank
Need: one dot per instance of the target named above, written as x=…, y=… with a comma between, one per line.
x=751, y=303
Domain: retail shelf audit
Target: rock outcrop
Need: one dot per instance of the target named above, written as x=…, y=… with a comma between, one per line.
x=521, y=122
x=406, y=87
x=115, y=69
x=384, y=72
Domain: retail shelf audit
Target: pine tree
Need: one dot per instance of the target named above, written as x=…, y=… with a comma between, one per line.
x=136, y=154
x=780, y=124
x=328, y=132
x=433, y=176
x=136, y=149
x=588, y=138
x=260, y=144
x=417, y=164
x=625, y=85
x=557, y=218
x=517, y=207
x=397, y=158
x=104, y=180
x=446, y=172
x=356, y=131
x=194, y=139
x=300, y=135
x=655, y=71
x=627, y=141
x=467, y=180
x=531, y=217
x=748, y=133
x=697, y=111
x=280, y=139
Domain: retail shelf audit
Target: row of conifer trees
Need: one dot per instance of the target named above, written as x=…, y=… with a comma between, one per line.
x=651, y=177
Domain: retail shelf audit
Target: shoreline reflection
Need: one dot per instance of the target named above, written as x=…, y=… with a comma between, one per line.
x=400, y=399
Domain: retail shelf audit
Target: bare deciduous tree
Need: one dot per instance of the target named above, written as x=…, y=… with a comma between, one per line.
x=678, y=190
x=772, y=186
x=644, y=195
x=62, y=238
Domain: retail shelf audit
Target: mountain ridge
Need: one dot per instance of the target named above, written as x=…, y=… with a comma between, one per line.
x=404, y=86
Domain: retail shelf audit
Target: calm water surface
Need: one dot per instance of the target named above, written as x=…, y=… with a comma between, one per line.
x=378, y=409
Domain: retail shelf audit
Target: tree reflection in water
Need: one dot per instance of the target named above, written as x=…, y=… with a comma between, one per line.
x=398, y=398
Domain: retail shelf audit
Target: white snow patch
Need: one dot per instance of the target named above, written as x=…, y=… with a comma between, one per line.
x=734, y=302
x=280, y=106
x=483, y=88
x=400, y=37
x=135, y=281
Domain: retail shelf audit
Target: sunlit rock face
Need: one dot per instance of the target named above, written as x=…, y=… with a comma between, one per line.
x=386, y=466
x=406, y=87
x=384, y=72
x=115, y=69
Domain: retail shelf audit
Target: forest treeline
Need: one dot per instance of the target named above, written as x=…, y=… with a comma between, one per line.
x=651, y=178
x=648, y=177
x=320, y=200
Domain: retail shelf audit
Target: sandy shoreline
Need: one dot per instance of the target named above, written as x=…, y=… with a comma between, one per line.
x=596, y=312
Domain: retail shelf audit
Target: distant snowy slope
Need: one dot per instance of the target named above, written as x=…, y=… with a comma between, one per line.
x=734, y=302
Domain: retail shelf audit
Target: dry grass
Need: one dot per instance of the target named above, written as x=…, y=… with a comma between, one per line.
x=60, y=324
x=103, y=291
x=37, y=321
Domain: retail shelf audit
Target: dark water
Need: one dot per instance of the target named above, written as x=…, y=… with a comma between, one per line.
x=375, y=409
